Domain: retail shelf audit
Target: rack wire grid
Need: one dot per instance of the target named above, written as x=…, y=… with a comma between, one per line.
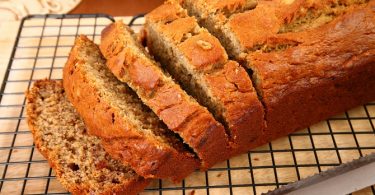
x=40, y=51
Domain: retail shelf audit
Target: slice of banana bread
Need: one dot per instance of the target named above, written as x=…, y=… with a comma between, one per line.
x=130, y=63
x=129, y=130
x=80, y=162
x=198, y=61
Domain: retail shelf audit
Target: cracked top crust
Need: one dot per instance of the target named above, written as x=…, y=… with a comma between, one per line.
x=252, y=28
x=333, y=49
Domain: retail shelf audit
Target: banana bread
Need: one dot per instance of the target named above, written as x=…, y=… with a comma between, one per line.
x=130, y=63
x=129, y=131
x=80, y=162
x=308, y=59
x=198, y=61
x=328, y=70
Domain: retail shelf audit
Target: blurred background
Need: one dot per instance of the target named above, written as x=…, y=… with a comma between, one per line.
x=11, y=10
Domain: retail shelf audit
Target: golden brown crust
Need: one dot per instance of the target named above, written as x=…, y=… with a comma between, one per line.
x=219, y=7
x=227, y=82
x=97, y=113
x=230, y=5
x=244, y=112
x=167, y=12
x=163, y=164
x=182, y=114
x=244, y=28
x=249, y=30
x=329, y=70
x=252, y=28
x=180, y=27
x=204, y=52
x=131, y=186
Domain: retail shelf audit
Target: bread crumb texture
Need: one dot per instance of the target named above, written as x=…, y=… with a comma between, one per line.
x=80, y=162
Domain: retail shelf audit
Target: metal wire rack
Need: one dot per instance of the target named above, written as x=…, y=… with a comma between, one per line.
x=40, y=51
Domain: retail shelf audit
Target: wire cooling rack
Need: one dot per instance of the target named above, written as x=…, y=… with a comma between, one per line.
x=40, y=51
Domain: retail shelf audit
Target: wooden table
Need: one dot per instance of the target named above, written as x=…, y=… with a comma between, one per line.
x=116, y=7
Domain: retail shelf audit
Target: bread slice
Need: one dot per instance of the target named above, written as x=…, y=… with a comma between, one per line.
x=129, y=130
x=80, y=162
x=198, y=61
x=130, y=63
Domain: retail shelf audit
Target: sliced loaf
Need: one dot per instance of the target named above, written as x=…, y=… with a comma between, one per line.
x=327, y=70
x=129, y=130
x=198, y=61
x=79, y=161
x=130, y=63
x=310, y=59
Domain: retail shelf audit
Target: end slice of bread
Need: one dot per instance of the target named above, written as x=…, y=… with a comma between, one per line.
x=130, y=131
x=130, y=63
x=80, y=162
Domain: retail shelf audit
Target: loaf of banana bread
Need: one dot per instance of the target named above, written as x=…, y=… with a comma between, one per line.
x=129, y=130
x=78, y=159
x=130, y=63
x=309, y=59
x=197, y=60
x=306, y=59
x=316, y=73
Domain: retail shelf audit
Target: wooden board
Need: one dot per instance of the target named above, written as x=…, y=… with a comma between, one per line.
x=42, y=52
